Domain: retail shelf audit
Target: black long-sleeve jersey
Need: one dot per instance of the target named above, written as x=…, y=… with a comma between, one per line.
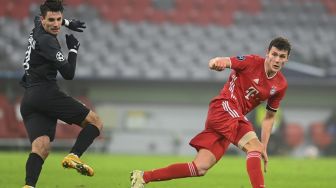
x=44, y=58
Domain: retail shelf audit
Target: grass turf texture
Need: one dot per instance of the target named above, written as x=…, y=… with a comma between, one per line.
x=113, y=171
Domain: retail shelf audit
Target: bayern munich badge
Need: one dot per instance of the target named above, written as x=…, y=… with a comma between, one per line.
x=272, y=91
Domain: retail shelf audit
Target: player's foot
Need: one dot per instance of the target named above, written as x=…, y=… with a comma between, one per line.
x=73, y=161
x=137, y=180
x=27, y=186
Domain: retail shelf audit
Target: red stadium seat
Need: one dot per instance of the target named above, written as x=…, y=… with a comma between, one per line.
x=329, y=5
x=113, y=15
x=320, y=137
x=4, y=119
x=133, y=15
x=97, y=3
x=177, y=17
x=184, y=5
x=74, y=3
x=113, y=11
x=18, y=125
x=294, y=135
x=3, y=9
x=155, y=16
x=224, y=18
x=18, y=10
x=140, y=4
x=251, y=6
x=201, y=17
x=226, y=5
x=8, y=121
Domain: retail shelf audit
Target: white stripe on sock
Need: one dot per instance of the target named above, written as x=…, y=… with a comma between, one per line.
x=192, y=169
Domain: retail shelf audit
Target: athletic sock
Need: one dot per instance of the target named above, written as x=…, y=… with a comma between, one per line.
x=85, y=139
x=253, y=165
x=33, y=168
x=174, y=171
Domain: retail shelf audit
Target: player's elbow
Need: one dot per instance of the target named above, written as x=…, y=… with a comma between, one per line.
x=68, y=76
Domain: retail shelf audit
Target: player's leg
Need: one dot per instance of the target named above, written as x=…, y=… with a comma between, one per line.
x=254, y=148
x=203, y=161
x=210, y=146
x=92, y=126
x=41, y=131
x=72, y=111
x=40, y=151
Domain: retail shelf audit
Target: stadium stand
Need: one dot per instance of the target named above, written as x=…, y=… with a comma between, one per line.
x=158, y=41
x=9, y=124
x=4, y=118
x=170, y=40
x=320, y=137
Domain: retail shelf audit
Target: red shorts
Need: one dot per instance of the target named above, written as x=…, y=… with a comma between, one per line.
x=225, y=124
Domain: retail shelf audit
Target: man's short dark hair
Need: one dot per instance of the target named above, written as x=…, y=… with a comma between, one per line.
x=281, y=43
x=51, y=5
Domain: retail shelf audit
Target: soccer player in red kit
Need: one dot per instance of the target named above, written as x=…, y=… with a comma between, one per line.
x=253, y=80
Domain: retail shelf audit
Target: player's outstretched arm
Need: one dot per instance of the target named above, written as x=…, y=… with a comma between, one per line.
x=75, y=25
x=266, y=125
x=219, y=63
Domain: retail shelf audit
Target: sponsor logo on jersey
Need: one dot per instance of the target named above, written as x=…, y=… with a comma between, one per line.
x=272, y=91
x=241, y=57
x=60, y=56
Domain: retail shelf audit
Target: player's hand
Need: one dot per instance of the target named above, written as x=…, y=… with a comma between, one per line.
x=75, y=25
x=217, y=64
x=72, y=42
x=265, y=158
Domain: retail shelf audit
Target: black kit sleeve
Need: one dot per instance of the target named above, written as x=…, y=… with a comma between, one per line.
x=68, y=69
x=51, y=50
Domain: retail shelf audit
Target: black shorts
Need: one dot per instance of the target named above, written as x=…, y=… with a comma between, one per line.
x=42, y=105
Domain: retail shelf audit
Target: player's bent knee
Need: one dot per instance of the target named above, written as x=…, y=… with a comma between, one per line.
x=94, y=119
x=41, y=146
x=254, y=145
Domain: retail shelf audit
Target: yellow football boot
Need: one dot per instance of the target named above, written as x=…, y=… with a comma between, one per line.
x=73, y=161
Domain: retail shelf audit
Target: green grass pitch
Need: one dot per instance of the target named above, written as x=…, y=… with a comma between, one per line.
x=112, y=171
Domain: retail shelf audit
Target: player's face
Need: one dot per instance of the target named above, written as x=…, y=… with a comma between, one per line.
x=52, y=22
x=275, y=59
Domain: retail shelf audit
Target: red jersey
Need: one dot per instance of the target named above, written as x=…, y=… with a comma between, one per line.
x=249, y=84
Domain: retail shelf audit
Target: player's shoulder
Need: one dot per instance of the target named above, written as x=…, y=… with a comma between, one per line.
x=250, y=57
x=45, y=39
x=256, y=58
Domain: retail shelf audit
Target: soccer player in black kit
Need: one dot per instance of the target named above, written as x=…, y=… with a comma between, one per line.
x=43, y=101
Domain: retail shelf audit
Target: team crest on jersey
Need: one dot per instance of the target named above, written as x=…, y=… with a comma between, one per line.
x=272, y=91
x=60, y=56
x=241, y=57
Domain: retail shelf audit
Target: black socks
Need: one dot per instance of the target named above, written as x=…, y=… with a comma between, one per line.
x=85, y=139
x=33, y=168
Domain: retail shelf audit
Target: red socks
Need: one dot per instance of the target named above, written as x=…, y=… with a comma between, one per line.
x=253, y=165
x=182, y=170
x=174, y=171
